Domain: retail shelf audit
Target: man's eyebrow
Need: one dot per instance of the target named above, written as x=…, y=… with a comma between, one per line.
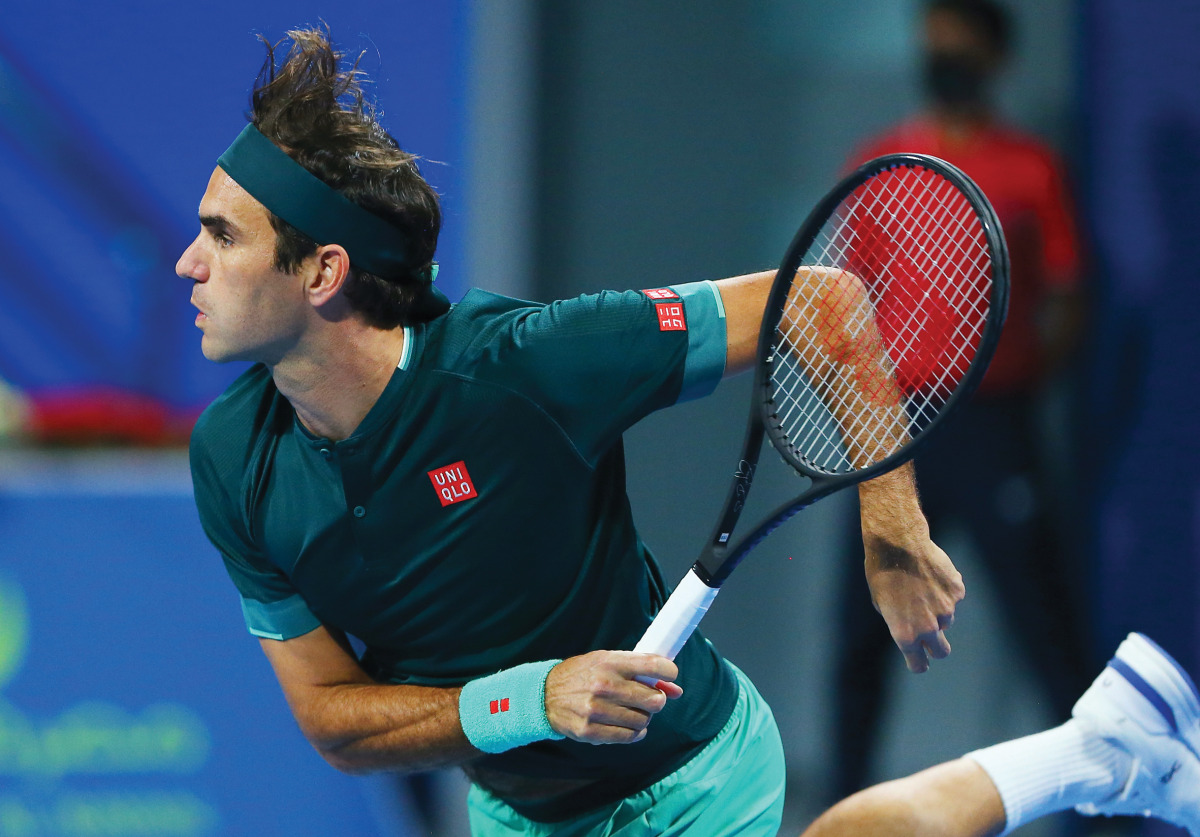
x=217, y=224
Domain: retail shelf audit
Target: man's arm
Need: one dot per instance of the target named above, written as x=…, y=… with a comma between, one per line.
x=913, y=583
x=361, y=726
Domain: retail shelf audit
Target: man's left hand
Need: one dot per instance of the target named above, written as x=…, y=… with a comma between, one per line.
x=915, y=587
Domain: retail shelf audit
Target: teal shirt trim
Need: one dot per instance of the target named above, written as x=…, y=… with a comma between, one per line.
x=707, y=341
x=407, y=352
x=284, y=619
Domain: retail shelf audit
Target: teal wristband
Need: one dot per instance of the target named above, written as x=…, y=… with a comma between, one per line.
x=507, y=709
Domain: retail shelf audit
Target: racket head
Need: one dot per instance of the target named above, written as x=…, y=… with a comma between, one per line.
x=862, y=359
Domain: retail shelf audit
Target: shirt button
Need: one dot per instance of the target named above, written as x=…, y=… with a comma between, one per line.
x=326, y=452
x=359, y=511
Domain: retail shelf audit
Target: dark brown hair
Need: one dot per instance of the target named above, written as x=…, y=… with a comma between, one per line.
x=314, y=109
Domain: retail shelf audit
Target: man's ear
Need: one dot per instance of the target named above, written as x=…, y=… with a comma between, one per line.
x=332, y=264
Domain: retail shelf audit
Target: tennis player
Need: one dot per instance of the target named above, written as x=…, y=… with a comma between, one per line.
x=446, y=484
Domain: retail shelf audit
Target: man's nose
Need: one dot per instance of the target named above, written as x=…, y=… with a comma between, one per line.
x=190, y=265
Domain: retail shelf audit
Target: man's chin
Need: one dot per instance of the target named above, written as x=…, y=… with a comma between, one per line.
x=213, y=352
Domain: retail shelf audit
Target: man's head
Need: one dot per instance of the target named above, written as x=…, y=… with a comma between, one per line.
x=312, y=110
x=966, y=42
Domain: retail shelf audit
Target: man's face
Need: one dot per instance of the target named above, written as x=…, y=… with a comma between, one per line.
x=248, y=309
x=947, y=33
x=960, y=61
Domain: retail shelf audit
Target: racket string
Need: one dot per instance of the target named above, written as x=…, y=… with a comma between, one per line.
x=873, y=346
x=823, y=443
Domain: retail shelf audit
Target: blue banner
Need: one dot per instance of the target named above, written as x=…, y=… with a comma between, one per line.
x=132, y=699
x=111, y=120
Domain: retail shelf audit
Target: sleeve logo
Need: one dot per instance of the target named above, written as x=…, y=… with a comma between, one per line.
x=670, y=316
x=661, y=293
x=452, y=483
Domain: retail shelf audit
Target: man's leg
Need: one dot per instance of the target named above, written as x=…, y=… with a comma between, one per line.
x=1131, y=747
x=956, y=798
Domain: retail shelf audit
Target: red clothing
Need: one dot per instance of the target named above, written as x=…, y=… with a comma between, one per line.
x=1024, y=180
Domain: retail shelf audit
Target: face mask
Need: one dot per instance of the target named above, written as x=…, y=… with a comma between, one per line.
x=956, y=81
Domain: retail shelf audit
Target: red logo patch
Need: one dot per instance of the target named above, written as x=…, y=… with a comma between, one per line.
x=452, y=483
x=498, y=705
x=661, y=293
x=670, y=316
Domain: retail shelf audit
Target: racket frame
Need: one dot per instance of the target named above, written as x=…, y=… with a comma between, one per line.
x=719, y=557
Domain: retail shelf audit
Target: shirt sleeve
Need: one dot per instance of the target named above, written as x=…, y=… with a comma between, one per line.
x=271, y=606
x=707, y=339
x=599, y=363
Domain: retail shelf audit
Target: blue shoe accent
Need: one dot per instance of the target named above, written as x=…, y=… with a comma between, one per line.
x=1147, y=691
x=1187, y=678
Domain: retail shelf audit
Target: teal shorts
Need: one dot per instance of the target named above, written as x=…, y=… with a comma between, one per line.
x=734, y=785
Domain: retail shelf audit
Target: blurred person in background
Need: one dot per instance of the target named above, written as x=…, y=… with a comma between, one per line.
x=988, y=473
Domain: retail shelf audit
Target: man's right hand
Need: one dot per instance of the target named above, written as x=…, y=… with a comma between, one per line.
x=595, y=698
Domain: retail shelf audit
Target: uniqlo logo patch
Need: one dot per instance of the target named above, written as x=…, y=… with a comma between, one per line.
x=670, y=316
x=661, y=293
x=452, y=483
x=499, y=705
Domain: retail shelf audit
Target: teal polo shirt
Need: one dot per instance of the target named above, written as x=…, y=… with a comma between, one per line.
x=477, y=517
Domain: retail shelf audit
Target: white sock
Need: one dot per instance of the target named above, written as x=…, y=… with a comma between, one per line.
x=1053, y=771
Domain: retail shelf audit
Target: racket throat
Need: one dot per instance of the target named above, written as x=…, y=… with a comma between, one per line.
x=721, y=559
x=707, y=575
x=717, y=562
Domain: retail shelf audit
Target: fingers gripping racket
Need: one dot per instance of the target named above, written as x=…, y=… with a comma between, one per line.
x=882, y=318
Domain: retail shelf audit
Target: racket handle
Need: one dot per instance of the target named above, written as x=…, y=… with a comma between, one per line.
x=677, y=619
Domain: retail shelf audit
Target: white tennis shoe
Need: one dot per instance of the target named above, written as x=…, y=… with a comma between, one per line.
x=1147, y=705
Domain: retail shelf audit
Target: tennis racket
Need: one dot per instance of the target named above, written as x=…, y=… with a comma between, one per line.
x=882, y=318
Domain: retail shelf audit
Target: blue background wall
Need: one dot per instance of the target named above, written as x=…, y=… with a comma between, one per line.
x=1142, y=167
x=111, y=119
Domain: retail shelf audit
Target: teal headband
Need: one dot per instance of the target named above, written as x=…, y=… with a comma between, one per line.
x=321, y=212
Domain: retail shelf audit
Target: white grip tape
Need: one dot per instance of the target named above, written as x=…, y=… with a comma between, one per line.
x=677, y=619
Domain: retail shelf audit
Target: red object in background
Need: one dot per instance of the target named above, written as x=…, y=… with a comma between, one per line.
x=1026, y=183
x=104, y=416
x=919, y=327
x=926, y=281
